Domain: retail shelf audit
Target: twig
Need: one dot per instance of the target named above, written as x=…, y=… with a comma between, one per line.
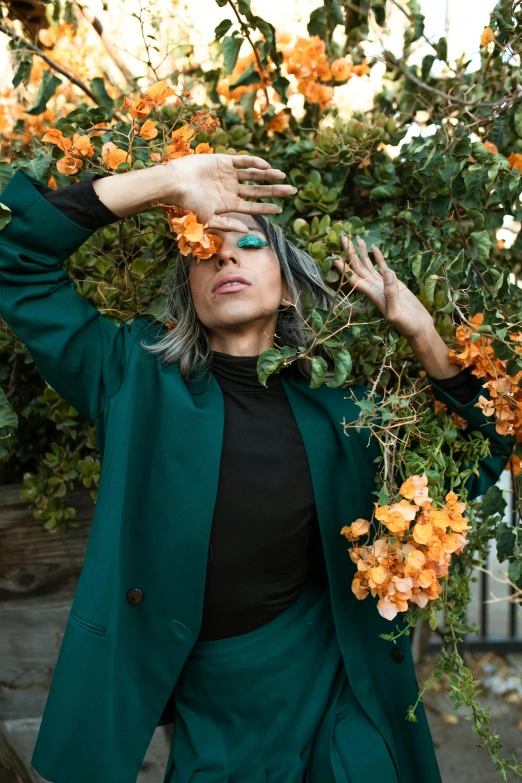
x=98, y=27
x=244, y=29
x=389, y=59
x=54, y=65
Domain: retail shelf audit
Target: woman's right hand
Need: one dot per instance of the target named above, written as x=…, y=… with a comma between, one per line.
x=210, y=185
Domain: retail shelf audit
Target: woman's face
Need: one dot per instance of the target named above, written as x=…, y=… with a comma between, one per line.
x=257, y=287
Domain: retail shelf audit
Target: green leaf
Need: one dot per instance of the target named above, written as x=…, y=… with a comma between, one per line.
x=480, y=245
x=515, y=571
x=249, y=76
x=22, y=60
x=506, y=538
x=433, y=621
x=269, y=362
x=493, y=502
x=5, y=216
x=6, y=173
x=8, y=417
x=98, y=88
x=385, y=192
x=36, y=165
x=46, y=90
x=222, y=28
x=319, y=368
x=442, y=49
x=230, y=48
x=343, y=368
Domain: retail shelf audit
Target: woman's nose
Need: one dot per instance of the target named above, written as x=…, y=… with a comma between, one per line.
x=226, y=256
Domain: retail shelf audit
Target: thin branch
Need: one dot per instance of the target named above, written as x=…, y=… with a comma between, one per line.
x=389, y=59
x=244, y=28
x=54, y=65
x=110, y=48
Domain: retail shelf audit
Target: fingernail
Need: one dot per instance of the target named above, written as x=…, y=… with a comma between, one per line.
x=294, y=190
x=388, y=276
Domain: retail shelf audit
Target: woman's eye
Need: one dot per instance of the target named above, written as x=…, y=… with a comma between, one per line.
x=251, y=240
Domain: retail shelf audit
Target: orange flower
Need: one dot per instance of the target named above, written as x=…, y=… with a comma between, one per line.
x=357, y=529
x=422, y=532
x=307, y=59
x=515, y=160
x=149, y=130
x=205, y=121
x=55, y=136
x=180, y=147
x=487, y=36
x=361, y=70
x=82, y=145
x=69, y=165
x=204, y=149
x=490, y=146
x=279, y=122
x=341, y=69
x=191, y=236
x=416, y=488
x=158, y=93
x=112, y=155
x=139, y=108
x=317, y=93
x=51, y=183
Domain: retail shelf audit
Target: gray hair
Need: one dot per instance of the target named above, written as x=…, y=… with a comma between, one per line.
x=188, y=341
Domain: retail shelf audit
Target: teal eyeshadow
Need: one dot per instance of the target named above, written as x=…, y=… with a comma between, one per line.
x=251, y=240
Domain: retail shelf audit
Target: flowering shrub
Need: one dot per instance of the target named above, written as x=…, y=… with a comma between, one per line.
x=444, y=206
x=406, y=562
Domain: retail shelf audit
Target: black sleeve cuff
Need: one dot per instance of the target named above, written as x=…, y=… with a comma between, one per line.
x=464, y=386
x=81, y=203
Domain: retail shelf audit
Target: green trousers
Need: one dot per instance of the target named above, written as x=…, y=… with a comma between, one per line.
x=275, y=706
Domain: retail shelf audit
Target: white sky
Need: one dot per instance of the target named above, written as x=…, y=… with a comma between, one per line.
x=195, y=20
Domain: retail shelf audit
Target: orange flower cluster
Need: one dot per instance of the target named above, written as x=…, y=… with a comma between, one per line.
x=192, y=236
x=308, y=62
x=405, y=563
x=505, y=402
x=155, y=96
x=205, y=121
x=241, y=65
x=78, y=145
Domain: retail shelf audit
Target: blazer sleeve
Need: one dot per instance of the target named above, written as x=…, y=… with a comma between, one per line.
x=82, y=355
x=501, y=446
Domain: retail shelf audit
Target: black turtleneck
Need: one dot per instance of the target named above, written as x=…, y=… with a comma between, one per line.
x=265, y=542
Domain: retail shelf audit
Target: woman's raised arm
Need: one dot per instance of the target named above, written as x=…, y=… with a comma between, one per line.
x=82, y=355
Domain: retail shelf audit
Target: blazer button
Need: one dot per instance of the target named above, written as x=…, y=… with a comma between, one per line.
x=397, y=655
x=135, y=596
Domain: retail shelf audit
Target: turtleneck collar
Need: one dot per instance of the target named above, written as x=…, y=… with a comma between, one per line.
x=239, y=373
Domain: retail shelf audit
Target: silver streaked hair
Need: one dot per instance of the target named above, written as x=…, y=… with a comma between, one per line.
x=188, y=341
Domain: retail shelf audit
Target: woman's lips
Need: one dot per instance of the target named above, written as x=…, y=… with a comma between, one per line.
x=229, y=289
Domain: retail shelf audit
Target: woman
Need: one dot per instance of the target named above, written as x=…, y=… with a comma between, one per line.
x=216, y=587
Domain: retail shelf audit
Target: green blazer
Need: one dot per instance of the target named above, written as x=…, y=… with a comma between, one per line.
x=160, y=438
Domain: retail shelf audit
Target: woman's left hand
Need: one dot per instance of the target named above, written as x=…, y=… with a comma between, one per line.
x=396, y=302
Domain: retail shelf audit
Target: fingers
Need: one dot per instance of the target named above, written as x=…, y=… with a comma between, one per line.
x=365, y=257
x=259, y=175
x=257, y=208
x=381, y=263
x=222, y=223
x=353, y=258
x=265, y=191
x=239, y=161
